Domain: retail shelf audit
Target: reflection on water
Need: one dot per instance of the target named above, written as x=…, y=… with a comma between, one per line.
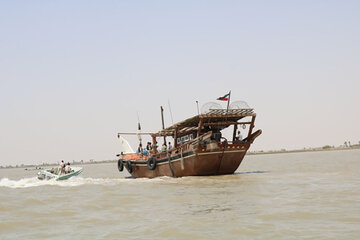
x=280, y=196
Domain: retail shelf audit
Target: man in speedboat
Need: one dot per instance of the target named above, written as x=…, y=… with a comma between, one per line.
x=61, y=167
x=67, y=168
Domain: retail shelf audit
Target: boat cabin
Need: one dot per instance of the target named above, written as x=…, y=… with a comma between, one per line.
x=214, y=121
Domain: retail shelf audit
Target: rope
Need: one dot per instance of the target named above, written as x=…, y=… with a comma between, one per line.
x=222, y=156
x=170, y=166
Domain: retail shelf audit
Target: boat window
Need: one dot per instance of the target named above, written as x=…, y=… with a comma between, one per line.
x=184, y=139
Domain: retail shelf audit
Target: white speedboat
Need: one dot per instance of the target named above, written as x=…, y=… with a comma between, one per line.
x=48, y=174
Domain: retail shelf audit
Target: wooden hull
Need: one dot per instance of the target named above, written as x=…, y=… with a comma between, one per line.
x=199, y=147
x=194, y=163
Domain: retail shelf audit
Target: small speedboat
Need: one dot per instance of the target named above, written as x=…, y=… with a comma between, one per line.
x=48, y=174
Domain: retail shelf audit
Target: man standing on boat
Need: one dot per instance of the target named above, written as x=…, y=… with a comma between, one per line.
x=239, y=136
x=67, y=168
x=140, y=150
x=61, y=167
x=148, y=146
x=164, y=148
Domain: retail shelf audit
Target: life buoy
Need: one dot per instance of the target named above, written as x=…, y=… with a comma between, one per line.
x=151, y=163
x=120, y=165
x=129, y=167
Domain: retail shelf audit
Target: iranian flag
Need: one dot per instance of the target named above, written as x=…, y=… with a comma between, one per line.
x=224, y=98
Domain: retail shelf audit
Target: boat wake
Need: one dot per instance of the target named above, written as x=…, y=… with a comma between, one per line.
x=78, y=181
x=72, y=182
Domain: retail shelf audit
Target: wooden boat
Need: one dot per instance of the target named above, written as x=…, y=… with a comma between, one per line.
x=48, y=174
x=200, y=149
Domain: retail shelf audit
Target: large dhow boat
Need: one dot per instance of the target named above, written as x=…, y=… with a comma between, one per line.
x=200, y=148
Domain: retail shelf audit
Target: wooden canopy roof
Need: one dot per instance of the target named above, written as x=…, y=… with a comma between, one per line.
x=221, y=118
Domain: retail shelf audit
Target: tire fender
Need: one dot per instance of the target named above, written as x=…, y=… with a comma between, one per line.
x=151, y=163
x=129, y=167
x=120, y=165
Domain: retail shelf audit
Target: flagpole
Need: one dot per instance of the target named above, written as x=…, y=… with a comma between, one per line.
x=227, y=109
x=139, y=129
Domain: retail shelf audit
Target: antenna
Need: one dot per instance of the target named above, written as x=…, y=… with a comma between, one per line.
x=137, y=113
x=172, y=120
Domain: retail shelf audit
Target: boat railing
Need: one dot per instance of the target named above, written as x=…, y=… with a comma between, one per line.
x=229, y=145
x=237, y=142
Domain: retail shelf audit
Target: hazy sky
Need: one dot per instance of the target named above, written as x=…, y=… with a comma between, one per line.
x=74, y=73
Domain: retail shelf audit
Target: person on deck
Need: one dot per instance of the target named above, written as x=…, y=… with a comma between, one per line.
x=239, y=136
x=140, y=149
x=164, y=148
x=148, y=146
x=61, y=167
x=145, y=152
x=155, y=146
x=170, y=146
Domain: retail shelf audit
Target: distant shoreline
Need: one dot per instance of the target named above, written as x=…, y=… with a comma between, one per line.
x=305, y=150
x=46, y=165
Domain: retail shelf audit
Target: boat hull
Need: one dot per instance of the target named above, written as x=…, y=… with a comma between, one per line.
x=196, y=163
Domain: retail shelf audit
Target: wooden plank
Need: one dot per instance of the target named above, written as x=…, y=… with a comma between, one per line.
x=251, y=125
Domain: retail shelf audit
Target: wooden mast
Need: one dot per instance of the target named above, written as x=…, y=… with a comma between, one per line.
x=200, y=127
x=175, y=136
x=154, y=145
x=251, y=125
x=234, y=133
x=162, y=119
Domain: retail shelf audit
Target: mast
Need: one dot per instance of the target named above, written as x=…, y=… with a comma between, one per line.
x=162, y=119
x=251, y=125
x=200, y=125
x=234, y=132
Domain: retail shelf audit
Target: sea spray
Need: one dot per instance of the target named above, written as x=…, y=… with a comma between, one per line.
x=72, y=182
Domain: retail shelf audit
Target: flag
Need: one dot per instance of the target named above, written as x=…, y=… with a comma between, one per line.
x=224, y=98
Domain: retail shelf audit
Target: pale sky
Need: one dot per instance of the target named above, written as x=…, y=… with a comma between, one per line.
x=74, y=73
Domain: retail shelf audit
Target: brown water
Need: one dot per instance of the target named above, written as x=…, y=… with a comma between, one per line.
x=281, y=196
